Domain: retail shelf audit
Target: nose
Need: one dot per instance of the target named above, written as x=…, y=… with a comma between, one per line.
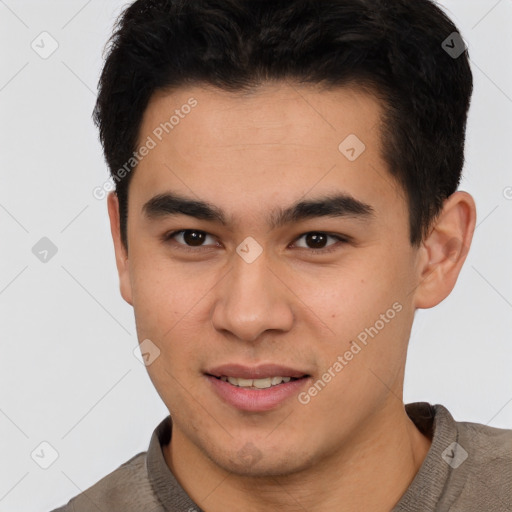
x=251, y=299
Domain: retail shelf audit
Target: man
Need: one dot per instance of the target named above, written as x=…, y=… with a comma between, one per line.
x=286, y=198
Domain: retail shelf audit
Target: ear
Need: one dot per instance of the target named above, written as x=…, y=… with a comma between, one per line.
x=122, y=263
x=445, y=249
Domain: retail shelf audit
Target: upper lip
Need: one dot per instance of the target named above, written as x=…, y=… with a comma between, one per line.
x=255, y=372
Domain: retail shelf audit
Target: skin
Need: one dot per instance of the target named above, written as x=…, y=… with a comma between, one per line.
x=352, y=447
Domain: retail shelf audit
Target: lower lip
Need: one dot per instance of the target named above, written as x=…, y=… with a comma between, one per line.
x=256, y=400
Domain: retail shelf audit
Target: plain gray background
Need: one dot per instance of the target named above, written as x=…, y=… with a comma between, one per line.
x=68, y=373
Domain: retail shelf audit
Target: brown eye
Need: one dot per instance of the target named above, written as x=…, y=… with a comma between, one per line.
x=194, y=238
x=188, y=238
x=316, y=240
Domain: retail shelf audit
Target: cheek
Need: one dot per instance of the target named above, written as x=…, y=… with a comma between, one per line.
x=172, y=309
x=366, y=303
x=163, y=294
x=348, y=297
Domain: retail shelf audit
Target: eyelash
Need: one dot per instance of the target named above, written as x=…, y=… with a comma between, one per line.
x=334, y=247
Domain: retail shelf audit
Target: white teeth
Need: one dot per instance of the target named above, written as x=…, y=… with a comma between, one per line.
x=255, y=383
x=262, y=383
x=240, y=382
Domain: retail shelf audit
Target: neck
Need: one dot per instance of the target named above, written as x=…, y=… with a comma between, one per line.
x=370, y=472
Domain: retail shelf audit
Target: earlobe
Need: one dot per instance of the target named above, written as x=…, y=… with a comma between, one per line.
x=445, y=249
x=121, y=253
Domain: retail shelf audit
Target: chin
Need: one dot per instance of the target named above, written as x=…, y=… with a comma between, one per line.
x=269, y=461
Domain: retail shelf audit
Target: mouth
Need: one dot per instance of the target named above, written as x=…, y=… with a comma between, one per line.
x=265, y=383
x=256, y=389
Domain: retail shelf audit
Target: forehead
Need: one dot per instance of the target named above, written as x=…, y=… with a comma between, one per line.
x=273, y=144
x=274, y=113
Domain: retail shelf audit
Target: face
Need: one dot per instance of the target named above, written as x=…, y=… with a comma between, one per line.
x=266, y=241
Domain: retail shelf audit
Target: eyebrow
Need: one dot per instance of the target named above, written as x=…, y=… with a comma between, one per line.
x=333, y=205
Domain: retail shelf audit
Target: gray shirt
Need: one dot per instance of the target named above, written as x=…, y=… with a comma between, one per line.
x=468, y=468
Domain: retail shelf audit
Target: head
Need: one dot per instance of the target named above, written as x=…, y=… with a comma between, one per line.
x=311, y=151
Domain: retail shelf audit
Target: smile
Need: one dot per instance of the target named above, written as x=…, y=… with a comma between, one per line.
x=265, y=383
